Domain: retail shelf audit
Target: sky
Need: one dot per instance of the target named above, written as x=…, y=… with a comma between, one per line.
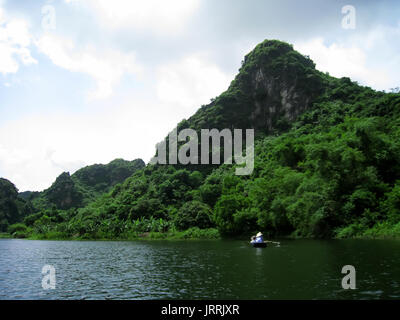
x=88, y=81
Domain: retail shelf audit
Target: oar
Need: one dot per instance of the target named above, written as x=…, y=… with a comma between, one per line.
x=278, y=243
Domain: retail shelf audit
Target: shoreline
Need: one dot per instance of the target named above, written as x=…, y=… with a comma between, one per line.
x=157, y=236
x=383, y=231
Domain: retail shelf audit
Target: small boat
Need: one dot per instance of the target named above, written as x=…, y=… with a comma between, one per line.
x=259, y=244
x=257, y=241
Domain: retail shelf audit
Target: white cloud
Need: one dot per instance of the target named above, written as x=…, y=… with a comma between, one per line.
x=106, y=66
x=34, y=150
x=161, y=17
x=362, y=60
x=191, y=82
x=336, y=59
x=15, y=41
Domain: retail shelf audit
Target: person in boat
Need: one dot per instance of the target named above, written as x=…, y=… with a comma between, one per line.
x=257, y=238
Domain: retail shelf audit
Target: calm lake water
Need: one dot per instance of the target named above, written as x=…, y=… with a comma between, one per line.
x=298, y=269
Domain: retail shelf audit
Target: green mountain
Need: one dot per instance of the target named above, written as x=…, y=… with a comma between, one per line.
x=327, y=154
x=274, y=85
x=12, y=207
x=84, y=186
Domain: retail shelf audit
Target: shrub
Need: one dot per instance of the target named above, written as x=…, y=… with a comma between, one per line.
x=197, y=233
x=17, y=227
x=193, y=214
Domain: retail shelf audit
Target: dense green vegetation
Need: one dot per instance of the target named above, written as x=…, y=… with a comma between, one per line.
x=66, y=193
x=327, y=164
x=12, y=207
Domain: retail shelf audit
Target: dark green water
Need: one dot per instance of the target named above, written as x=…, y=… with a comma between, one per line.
x=300, y=269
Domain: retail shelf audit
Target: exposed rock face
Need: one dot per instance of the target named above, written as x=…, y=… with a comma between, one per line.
x=276, y=98
x=283, y=84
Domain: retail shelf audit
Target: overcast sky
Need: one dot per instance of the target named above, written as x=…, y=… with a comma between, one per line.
x=88, y=81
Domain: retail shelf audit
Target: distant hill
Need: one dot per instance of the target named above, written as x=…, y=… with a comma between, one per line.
x=84, y=186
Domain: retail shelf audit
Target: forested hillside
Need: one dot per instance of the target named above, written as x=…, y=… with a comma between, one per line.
x=12, y=207
x=327, y=164
x=67, y=193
